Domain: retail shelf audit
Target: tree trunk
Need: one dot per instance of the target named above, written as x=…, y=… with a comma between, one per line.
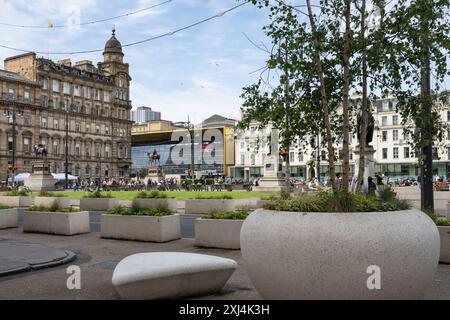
x=365, y=102
x=323, y=93
x=427, y=196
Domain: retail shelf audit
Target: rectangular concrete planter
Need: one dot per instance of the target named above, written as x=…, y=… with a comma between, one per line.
x=98, y=204
x=444, y=232
x=9, y=218
x=57, y=223
x=141, y=228
x=146, y=203
x=47, y=202
x=206, y=206
x=224, y=234
x=18, y=202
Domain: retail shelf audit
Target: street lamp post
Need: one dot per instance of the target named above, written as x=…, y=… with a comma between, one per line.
x=66, y=164
x=10, y=113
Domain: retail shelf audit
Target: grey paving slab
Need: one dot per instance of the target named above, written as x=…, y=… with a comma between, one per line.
x=17, y=256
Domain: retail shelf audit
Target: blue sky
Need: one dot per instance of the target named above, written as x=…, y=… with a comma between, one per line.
x=200, y=71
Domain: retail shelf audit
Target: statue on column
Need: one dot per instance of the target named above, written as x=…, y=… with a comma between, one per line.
x=370, y=127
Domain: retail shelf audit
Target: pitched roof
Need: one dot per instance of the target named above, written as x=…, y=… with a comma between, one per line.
x=11, y=76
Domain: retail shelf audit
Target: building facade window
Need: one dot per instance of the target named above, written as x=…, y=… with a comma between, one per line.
x=44, y=123
x=384, y=136
x=394, y=120
x=384, y=121
x=395, y=135
x=385, y=153
x=66, y=88
x=55, y=85
x=395, y=153
x=26, y=144
x=406, y=153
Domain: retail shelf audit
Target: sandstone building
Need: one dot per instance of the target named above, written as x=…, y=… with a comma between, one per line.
x=95, y=99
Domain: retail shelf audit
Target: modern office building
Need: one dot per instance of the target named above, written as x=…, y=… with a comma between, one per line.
x=213, y=146
x=144, y=115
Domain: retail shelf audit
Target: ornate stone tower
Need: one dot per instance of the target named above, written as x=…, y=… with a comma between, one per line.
x=114, y=66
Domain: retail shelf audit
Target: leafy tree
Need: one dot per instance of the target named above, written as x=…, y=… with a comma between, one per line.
x=415, y=37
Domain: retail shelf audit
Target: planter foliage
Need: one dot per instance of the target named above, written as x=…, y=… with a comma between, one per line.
x=233, y=215
x=17, y=193
x=98, y=195
x=338, y=201
x=54, y=208
x=159, y=211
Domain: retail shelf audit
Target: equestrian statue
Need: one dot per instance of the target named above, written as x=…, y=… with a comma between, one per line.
x=40, y=151
x=155, y=158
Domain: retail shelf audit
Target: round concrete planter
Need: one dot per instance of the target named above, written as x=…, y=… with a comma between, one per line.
x=18, y=202
x=145, y=203
x=296, y=256
x=58, y=223
x=445, y=244
x=216, y=233
x=9, y=218
x=448, y=211
x=47, y=202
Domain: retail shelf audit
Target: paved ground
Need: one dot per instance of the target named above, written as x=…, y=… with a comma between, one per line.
x=98, y=257
x=412, y=194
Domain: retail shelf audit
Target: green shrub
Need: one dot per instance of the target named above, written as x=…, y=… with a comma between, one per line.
x=5, y=207
x=151, y=195
x=159, y=211
x=17, y=193
x=51, y=195
x=442, y=223
x=98, y=195
x=337, y=201
x=53, y=208
x=232, y=215
x=220, y=196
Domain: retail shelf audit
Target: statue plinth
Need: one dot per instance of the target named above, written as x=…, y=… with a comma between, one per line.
x=273, y=180
x=40, y=180
x=155, y=173
x=369, y=165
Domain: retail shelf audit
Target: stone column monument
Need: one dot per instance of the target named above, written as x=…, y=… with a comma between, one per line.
x=40, y=180
x=274, y=178
x=368, y=153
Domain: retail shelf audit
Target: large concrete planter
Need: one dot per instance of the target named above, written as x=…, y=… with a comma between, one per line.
x=47, y=202
x=214, y=233
x=141, y=228
x=9, y=218
x=18, y=202
x=98, y=204
x=145, y=203
x=207, y=206
x=445, y=244
x=448, y=211
x=296, y=256
x=58, y=223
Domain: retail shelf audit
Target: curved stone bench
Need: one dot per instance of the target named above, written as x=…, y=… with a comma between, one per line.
x=167, y=275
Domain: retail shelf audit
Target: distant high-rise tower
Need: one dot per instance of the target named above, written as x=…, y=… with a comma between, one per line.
x=145, y=114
